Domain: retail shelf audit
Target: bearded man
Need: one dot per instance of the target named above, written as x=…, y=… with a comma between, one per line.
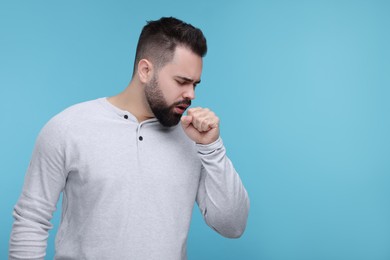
x=132, y=166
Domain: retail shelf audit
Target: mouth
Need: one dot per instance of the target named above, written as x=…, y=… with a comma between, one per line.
x=180, y=109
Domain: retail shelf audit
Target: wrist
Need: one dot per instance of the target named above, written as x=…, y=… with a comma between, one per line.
x=210, y=147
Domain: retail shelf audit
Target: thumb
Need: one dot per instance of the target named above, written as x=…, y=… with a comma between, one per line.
x=186, y=121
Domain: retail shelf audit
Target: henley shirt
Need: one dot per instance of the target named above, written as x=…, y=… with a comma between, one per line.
x=128, y=188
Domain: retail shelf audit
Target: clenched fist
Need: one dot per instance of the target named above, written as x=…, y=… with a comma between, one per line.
x=201, y=125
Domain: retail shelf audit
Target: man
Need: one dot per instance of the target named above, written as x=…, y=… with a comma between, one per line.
x=132, y=166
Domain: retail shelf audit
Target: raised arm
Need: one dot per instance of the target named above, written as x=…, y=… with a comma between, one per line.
x=221, y=197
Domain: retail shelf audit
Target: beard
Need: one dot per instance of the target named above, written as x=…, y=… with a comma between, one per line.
x=163, y=112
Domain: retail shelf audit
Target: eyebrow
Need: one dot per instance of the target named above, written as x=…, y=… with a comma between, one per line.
x=188, y=79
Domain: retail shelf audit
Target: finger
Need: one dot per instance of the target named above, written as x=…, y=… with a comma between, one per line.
x=193, y=110
x=205, y=125
x=209, y=124
x=199, y=113
x=215, y=122
x=186, y=121
x=214, y=125
x=197, y=122
x=204, y=119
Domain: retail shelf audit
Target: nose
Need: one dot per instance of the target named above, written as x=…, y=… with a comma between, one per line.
x=189, y=93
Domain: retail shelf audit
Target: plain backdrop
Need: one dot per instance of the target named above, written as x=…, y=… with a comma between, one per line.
x=302, y=89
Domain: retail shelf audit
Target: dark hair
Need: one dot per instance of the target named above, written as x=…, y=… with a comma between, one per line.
x=159, y=39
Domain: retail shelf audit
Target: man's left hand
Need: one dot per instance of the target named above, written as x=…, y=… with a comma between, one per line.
x=201, y=125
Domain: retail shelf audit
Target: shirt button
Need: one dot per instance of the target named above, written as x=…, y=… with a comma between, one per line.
x=140, y=138
x=126, y=116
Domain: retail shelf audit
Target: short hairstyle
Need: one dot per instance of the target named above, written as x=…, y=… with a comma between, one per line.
x=159, y=39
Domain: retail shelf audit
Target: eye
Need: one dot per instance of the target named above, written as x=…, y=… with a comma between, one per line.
x=181, y=83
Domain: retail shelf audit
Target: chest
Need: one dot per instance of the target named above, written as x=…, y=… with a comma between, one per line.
x=159, y=160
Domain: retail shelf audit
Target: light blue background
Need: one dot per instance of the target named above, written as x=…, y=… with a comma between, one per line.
x=302, y=89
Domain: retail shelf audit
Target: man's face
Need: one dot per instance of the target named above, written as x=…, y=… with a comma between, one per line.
x=169, y=93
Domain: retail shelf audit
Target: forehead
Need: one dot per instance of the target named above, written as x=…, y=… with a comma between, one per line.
x=185, y=63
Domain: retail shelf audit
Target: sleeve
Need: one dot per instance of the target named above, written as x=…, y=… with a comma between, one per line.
x=222, y=198
x=44, y=181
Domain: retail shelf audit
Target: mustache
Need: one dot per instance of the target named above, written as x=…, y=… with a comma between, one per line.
x=186, y=102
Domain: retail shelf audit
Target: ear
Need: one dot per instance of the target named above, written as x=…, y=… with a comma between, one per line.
x=145, y=70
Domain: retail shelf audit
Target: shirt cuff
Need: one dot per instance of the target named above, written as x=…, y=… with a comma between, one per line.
x=210, y=148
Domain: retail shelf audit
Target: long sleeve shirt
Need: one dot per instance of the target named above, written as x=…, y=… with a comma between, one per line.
x=128, y=188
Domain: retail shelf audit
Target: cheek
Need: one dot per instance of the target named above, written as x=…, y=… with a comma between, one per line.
x=171, y=92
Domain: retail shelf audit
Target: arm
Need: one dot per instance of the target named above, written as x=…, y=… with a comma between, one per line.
x=221, y=197
x=44, y=181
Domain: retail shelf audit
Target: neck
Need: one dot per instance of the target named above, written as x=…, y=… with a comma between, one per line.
x=133, y=100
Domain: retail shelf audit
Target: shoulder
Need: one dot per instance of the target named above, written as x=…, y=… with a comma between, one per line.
x=70, y=118
x=80, y=110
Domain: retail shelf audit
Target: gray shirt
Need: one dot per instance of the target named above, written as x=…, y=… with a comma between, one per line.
x=128, y=188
